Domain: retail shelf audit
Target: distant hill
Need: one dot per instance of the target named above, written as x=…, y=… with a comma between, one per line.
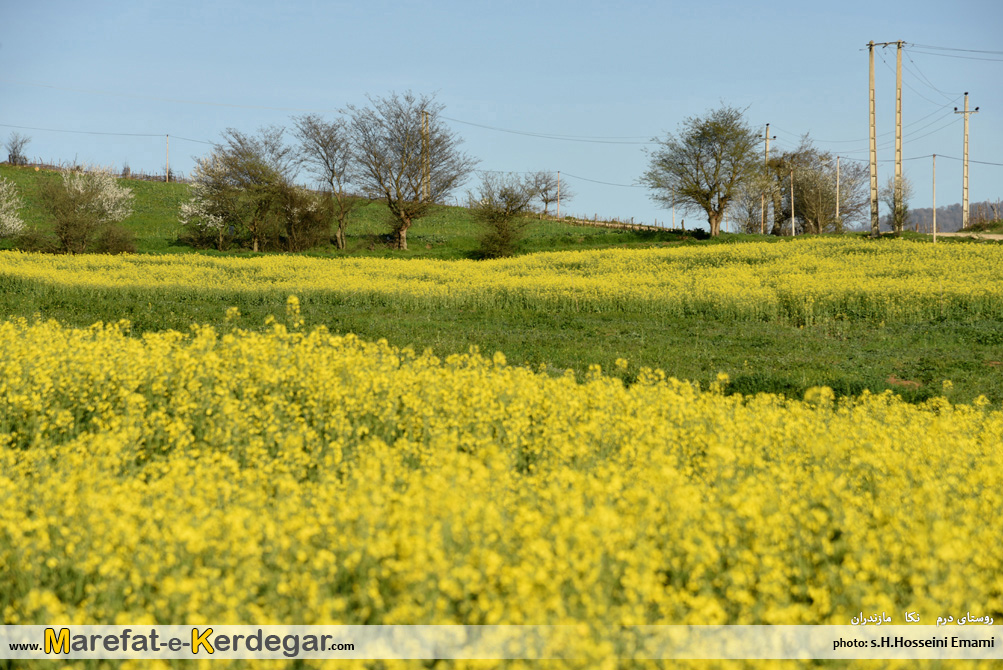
x=948, y=217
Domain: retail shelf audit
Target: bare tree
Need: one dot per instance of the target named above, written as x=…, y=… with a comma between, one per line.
x=550, y=189
x=500, y=205
x=702, y=167
x=244, y=187
x=898, y=217
x=326, y=151
x=259, y=167
x=15, y=148
x=406, y=156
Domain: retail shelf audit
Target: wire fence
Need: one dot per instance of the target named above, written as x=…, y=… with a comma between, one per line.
x=125, y=173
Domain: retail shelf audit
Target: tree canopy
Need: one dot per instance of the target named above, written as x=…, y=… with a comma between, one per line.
x=704, y=164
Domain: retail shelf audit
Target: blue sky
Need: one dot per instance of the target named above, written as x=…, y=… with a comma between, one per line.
x=613, y=76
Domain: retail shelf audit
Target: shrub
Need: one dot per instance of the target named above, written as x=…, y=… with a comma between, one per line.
x=83, y=205
x=306, y=218
x=10, y=204
x=500, y=205
x=114, y=239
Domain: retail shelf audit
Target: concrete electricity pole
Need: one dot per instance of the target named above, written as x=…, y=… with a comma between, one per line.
x=559, y=195
x=793, y=232
x=837, y=192
x=424, y=158
x=898, y=135
x=167, y=174
x=762, y=201
x=935, y=198
x=874, y=148
x=898, y=127
x=964, y=187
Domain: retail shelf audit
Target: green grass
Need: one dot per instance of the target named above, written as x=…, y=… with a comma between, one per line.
x=758, y=356
x=766, y=356
x=449, y=232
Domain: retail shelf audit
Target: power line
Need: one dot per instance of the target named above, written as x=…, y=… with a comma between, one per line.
x=889, y=132
x=566, y=138
x=975, y=51
x=96, y=132
x=926, y=79
x=932, y=102
x=81, y=132
x=917, y=158
x=595, y=181
x=934, y=53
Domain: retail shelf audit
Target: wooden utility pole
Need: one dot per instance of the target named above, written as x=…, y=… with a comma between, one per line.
x=837, y=190
x=874, y=148
x=792, y=203
x=425, y=176
x=559, y=195
x=935, y=198
x=167, y=175
x=898, y=130
x=762, y=201
x=964, y=181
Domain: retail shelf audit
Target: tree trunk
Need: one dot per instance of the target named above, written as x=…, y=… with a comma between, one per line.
x=339, y=236
x=402, y=237
x=715, y=223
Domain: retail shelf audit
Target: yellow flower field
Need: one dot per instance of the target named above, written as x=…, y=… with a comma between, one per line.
x=302, y=477
x=812, y=280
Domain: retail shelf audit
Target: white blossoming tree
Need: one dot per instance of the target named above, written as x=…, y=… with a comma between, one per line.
x=84, y=206
x=10, y=205
x=205, y=215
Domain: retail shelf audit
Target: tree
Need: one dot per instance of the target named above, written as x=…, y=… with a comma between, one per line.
x=15, y=148
x=898, y=217
x=305, y=216
x=405, y=156
x=85, y=206
x=702, y=167
x=549, y=188
x=10, y=205
x=241, y=185
x=499, y=205
x=815, y=180
x=326, y=151
x=209, y=215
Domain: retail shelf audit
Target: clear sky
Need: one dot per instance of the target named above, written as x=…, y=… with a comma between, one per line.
x=612, y=76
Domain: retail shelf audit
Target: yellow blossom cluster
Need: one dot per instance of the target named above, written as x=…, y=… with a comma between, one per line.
x=303, y=477
x=807, y=281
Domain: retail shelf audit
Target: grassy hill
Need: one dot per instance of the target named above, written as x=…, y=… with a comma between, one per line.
x=448, y=233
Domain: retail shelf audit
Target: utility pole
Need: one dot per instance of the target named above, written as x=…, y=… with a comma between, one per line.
x=837, y=192
x=424, y=157
x=964, y=187
x=792, y=203
x=559, y=195
x=898, y=130
x=762, y=200
x=167, y=175
x=935, y=198
x=874, y=149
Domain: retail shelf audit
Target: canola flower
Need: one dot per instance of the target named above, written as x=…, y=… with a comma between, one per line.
x=808, y=281
x=303, y=477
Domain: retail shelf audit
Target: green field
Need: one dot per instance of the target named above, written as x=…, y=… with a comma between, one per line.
x=779, y=356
